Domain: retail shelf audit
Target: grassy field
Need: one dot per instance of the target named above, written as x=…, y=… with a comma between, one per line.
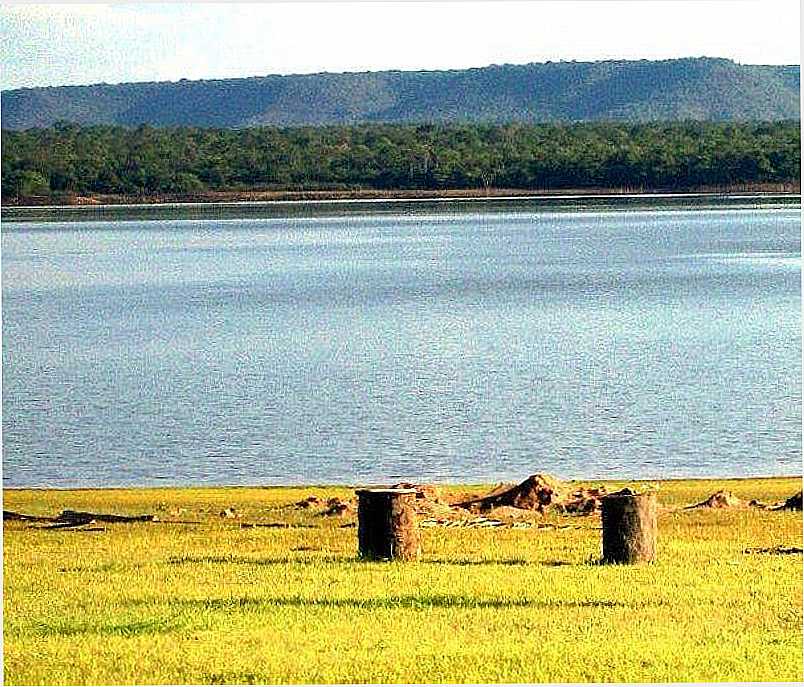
x=218, y=603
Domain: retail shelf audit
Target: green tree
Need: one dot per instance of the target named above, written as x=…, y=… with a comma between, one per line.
x=26, y=182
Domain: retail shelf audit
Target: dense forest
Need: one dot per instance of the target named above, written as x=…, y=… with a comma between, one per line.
x=72, y=159
x=704, y=89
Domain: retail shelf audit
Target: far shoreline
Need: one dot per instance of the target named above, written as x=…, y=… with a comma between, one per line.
x=324, y=205
x=302, y=197
x=457, y=485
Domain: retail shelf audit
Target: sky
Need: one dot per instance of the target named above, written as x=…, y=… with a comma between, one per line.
x=70, y=43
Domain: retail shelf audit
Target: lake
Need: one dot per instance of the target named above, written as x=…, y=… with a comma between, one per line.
x=453, y=345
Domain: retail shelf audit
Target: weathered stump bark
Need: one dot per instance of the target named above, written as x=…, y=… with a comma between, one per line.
x=386, y=524
x=629, y=527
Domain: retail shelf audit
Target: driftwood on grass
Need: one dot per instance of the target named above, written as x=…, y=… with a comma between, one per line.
x=74, y=518
x=68, y=524
x=726, y=499
x=276, y=525
x=333, y=506
x=11, y=515
x=793, y=503
x=720, y=499
x=85, y=516
x=776, y=550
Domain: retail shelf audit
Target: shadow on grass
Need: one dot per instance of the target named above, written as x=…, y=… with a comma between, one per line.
x=231, y=679
x=101, y=568
x=156, y=626
x=285, y=560
x=423, y=601
x=492, y=561
x=245, y=560
x=130, y=629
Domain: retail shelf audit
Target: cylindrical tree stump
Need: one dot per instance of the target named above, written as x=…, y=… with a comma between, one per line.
x=629, y=527
x=386, y=524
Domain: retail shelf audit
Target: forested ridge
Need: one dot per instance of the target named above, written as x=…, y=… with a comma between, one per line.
x=84, y=160
x=705, y=89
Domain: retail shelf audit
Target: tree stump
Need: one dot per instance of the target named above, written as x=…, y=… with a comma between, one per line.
x=386, y=524
x=629, y=527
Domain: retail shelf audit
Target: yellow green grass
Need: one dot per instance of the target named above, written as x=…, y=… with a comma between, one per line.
x=153, y=603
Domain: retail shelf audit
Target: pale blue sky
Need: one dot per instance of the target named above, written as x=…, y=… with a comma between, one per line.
x=45, y=45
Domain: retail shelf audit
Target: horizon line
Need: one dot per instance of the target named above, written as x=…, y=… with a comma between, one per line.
x=402, y=71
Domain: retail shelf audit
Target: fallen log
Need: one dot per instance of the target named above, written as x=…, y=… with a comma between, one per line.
x=720, y=499
x=276, y=525
x=84, y=516
x=74, y=517
x=776, y=550
x=793, y=503
x=11, y=515
x=70, y=524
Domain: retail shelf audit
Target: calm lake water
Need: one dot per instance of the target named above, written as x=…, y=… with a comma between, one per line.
x=380, y=346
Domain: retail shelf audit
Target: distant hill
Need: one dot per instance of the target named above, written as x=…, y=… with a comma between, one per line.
x=632, y=91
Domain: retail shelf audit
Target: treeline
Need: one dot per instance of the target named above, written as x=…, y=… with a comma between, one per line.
x=71, y=159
